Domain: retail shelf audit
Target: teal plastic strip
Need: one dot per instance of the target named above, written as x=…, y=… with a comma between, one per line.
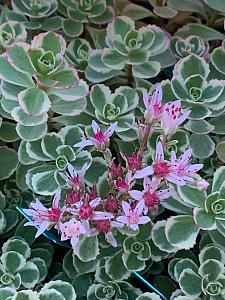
x=54, y=238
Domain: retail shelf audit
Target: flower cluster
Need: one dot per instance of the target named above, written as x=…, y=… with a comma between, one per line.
x=83, y=212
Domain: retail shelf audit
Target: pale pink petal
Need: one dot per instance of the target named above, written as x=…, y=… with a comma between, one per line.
x=56, y=199
x=42, y=228
x=182, y=118
x=95, y=127
x=101, y=215
x=74, y=240
x=115, y=224
x=84, y=144
x=63, y=176
x=137, y=195
x=134, y=227
x=145, y=98
x=109, y=131
x=146, y=183
x=29, y=212
x=83, y=170
x=144, y=220
x=122, y=219
x=164, y=194
x=173, y=157
x=111, y=239
x=157, y=95
x=154, y=183
x=195, y=168
x=126, y=208
x=38, y=206
x=175, y=179
x=144, y=172
x=140, y=206
x=159, y=155
x=185, y=157
x=71, y=170
x=95, y=202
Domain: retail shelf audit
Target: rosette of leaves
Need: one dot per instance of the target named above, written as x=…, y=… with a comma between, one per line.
x=197, y=210
x=114, y=107
x=134, y=47
x=138, y=50
x=52, y=153
x=205, y=98
x=190, y=45
x=35, y=13
x=206, y=280
x=77, y=53
x=79, y=12
x=217, y=58
x=112, y=290
x=11, y=32
x=36, y=79
x=16, y=269
x=56, y=289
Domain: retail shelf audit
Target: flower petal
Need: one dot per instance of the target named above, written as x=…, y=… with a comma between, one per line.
x=44, y=226
x=143, y=173
x=84, y=144
x=137, y=195
x=110, y=130
x=95, y=127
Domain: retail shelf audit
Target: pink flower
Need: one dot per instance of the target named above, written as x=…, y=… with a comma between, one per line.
x=115, y=170
x=75, y=178
x=153, y=105
x=134, y=162
x=150, y=195
x=133, y=217
x=161, y=168
x=124, y=184
x=45, y=217
x=172, y=117
x=106, y=226
x=101, y=139
x=86, y=211
x=185, y=171
x=111, y=204
x=72, y=197
x=72, y=230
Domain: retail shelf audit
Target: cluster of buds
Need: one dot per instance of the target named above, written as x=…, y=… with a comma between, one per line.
x=84, y=212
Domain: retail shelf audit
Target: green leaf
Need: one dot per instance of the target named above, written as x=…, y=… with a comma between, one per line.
x=220, y=151
x=212, y=252
x=112, y=59
x=6, y=293
x=26, y=295
x=136, y=12
x=65, y=78
x=190, y=283
x=146, y=70
x=9, y=161
x=217, y=58
x=216, y=5
x=182, y=265
x=159, y=237
x=29, y=133
x=17, y=245
x=219, y=124
x=50, y=294
x=181, y=231
x=24, y=119
x=11, y=75
x=34, y=101
x=96, y=170
x=132, y=263
x=212, y=268
x=17, y=55
x=165, y=12
x=42, y=268
x=87, y=248
x=218, y=179
x=13, y=261
x=202, y=145
x=188, y=5
x=112, y=269
x=148, y=296
x=192, y=195
x=68, y=108
x=29, y=275
x=72, y=28
x=65, y=288
x=207, y=33
x=8, y=132
x=49, y=144
x=44, y=183
x=50, y=41
x=203, y=219
x=199, y=126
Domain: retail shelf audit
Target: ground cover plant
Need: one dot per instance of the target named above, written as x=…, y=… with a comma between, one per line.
x=112, y=149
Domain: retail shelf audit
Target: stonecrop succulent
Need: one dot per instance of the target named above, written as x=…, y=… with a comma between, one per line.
x=112, y=150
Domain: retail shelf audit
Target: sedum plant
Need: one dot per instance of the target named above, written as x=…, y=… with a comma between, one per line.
x=112, y=142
